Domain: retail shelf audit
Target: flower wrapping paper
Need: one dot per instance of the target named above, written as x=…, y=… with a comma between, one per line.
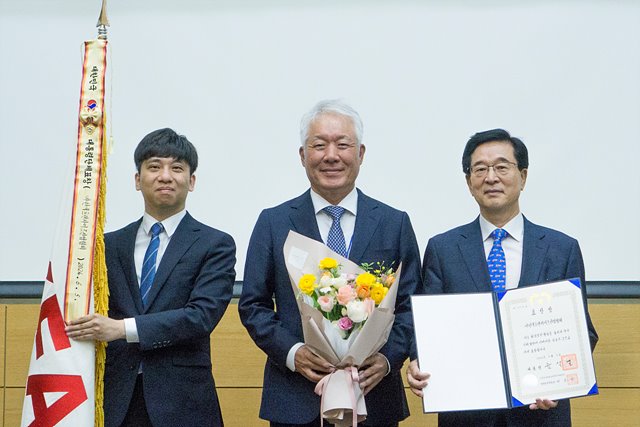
x=342, y=400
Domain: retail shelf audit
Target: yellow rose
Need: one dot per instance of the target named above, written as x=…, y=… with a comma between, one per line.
x=328, y=264
x=307, y=284
x=365, y=279
x=378, y=293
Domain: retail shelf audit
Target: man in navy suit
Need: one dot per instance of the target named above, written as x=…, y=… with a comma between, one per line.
x=158, y=366
x=495, y=165
x=331, y=153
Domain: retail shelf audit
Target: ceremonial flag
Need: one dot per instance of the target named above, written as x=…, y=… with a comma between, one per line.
x=64, y=384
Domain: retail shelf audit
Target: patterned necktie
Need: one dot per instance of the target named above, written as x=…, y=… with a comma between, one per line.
x=496, y=262
x=335, y=240
x=149, y=263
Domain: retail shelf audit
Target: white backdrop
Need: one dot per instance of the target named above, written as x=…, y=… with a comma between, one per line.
x=236, y=76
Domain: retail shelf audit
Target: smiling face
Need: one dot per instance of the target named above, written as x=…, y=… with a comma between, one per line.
x=164, y=183
x=331, y=156
x=497, y=195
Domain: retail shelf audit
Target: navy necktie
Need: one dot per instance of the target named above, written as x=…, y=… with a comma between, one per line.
x=496, y=262
x=149, y=263
x=335, y=240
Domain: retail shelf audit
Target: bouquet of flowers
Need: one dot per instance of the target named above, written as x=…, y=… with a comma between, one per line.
x=345, y=300
x=347, y=315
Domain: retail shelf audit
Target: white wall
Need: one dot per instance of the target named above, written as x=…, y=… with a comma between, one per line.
x=235, y=77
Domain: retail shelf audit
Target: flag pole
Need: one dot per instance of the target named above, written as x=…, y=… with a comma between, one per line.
x=100, y=284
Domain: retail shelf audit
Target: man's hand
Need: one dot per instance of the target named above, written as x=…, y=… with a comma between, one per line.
x=417, y=379
x=311, y=366
x=95, y=327
x=372, y=371
x=544, y=404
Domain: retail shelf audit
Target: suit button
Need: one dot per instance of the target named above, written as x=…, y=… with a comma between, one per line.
x=132, y=367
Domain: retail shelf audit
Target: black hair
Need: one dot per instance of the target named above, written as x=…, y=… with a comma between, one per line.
x=166, y=143
x=519, y=149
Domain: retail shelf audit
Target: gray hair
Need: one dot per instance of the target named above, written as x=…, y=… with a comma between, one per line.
x=335, y=106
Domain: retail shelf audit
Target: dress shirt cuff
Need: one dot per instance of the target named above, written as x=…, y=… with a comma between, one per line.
x=291, y=356
x=388, y=364
x=131, y=330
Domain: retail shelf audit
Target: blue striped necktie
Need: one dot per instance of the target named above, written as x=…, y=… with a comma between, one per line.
x=149, y=263
x=335, y=239
x=496, y=262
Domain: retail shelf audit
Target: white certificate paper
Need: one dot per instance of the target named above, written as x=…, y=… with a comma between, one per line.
x=547, y=342
x=502, y=350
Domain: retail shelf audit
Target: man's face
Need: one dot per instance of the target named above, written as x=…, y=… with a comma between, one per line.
x=331, y=156
x=164, y=183
x=496, y=194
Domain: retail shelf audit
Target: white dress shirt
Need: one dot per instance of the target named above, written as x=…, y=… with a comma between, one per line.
x=143, y=238
x=511, y=244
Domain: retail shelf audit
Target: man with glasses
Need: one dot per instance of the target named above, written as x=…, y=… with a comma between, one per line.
x=499, y=250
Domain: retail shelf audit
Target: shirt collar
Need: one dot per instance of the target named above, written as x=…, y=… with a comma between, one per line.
x=350, y=202
x=170, y=224
x=515, y=227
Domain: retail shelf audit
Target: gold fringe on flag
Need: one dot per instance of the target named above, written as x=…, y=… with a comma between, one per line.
x=100, y=283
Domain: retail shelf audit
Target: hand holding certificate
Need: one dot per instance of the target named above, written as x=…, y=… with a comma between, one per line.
x=503, y=350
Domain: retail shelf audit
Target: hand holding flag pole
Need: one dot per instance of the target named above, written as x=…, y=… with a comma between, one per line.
x=64, y=384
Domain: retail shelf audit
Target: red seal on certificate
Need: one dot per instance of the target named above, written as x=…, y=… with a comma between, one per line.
x=568, y=362
x=572, y=379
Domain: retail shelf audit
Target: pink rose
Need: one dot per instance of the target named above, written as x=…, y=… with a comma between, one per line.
x=345, y=323
x=345, y=294
x=326, y=303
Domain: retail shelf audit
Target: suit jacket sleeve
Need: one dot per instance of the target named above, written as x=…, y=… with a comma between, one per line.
x=398, y=345
x=256, y=305
x=432, y=282
x=431, y=270
x=575, y=268
x=213, y=256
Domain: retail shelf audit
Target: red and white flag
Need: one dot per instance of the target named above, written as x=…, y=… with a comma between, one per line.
x=61, y=384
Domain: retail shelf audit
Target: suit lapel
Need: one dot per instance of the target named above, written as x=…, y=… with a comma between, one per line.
x=303, y=217
x=127, y=261
x=367, y=221
x=472, y=250
x=534, y=250
x=184, y=237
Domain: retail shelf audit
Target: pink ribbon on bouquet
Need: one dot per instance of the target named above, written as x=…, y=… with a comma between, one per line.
x=351, y=373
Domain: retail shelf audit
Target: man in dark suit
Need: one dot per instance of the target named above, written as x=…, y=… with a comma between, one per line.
x=170, y=281
x=495, y=165
x=371, y=231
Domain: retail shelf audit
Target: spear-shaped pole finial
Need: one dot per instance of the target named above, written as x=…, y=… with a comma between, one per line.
x=103, y=21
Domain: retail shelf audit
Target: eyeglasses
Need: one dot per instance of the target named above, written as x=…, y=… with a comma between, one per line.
x=502, y=169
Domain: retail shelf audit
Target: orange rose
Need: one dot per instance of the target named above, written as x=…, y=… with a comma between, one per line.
x=363, y=291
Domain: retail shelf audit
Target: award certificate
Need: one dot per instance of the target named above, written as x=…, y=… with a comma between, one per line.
x=506, y=349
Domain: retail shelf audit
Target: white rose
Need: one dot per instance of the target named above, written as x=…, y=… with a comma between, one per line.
x=326, y=290
x=339, y=282
x=357, y=311
x=325, y=281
